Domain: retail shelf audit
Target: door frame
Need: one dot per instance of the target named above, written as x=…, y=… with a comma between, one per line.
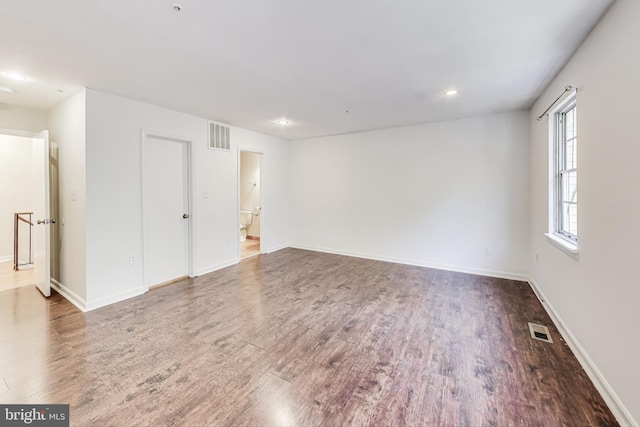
x=262, y=209
x=30, y=135
x=191, y=226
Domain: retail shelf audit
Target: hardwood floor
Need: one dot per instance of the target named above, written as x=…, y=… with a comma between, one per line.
x=299, y=338
x=249, y=248
x=10, y=279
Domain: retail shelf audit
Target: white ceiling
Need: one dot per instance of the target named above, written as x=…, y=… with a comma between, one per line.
x=250, y=62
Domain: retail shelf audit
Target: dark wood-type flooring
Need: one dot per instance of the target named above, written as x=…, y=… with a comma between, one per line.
x=299, y=338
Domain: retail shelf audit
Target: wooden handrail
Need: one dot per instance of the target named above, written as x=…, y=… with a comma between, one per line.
x=24, y=220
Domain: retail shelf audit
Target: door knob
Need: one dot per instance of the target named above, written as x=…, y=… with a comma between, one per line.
x=41, y=222
x=185, y=216
x=53, y=220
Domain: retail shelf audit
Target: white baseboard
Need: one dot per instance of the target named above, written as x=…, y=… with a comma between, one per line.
x=277, y=248
x=419, y=263
x=228, y=263
x=112, y=299
x=69, y=295
x=21, y=263
x=218, y=266
x=621, y=413
x=24, y=265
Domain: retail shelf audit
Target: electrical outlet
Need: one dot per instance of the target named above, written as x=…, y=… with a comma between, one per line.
x=205, y=194
x=132, y=259
x=307, y=231
x=486, y=250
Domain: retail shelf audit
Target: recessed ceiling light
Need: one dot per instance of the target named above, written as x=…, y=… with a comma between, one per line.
x=5, y=90
x=16, y=76
x=282, y=122
x=451, y=92
x=177, y=7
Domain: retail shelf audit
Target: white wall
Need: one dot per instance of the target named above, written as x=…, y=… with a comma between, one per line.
x=597, y=297
x=114, y=193
x=22, y=118
x=433, y=194
x=67, y=137
x=250, y=188
x=16, y=190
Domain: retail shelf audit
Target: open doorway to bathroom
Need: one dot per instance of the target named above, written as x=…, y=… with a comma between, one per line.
x=250, y=203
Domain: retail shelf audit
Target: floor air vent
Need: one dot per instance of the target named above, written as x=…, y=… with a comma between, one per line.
x=540, y=332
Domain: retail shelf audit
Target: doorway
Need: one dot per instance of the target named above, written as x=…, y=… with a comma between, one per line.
x=250, y=197
x=25, y=223
x=166, y=209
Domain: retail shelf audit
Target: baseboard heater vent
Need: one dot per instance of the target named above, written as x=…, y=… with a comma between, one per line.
x=539, y=332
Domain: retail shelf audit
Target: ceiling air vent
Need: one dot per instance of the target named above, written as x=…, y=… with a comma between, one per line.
x=219, y=137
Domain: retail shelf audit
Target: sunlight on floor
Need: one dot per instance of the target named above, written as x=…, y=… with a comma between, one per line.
x=10, y=279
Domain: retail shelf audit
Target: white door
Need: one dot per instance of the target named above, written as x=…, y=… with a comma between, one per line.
x=165, y=209
x=42, y=222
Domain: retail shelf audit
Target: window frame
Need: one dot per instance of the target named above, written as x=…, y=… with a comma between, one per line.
x=558, y=233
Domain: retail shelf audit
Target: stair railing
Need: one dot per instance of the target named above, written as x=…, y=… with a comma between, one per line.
x=17, y=218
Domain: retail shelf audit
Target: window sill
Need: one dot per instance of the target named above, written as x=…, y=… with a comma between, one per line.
x=568, y=248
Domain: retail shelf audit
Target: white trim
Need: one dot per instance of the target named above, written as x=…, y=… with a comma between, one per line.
x=555, y=141
x=277, y=248
x=69, y=295
x=564, y=245
x=191, y=233
x=218, y=266
x=567, y=98
x=622, y=414
x=6, y=258
x=112, y=299
x=85, y=306
x=419, y=263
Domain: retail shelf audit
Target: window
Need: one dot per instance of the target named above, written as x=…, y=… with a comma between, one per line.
x=564, y=204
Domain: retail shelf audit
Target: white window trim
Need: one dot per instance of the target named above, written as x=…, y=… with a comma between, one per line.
x=566, y=245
